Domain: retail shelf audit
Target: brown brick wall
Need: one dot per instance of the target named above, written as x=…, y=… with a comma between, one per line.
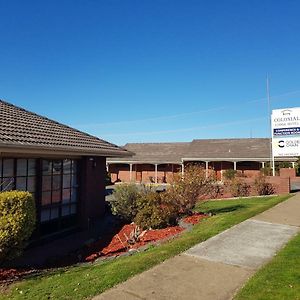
x=287, y=172
x=92, y=189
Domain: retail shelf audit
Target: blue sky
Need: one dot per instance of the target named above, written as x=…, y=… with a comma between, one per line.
x=159, y=70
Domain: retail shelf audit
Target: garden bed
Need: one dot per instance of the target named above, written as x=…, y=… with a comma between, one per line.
x=107, y=247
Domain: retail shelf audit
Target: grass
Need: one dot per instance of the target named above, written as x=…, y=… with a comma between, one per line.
x=279, y=279
x=81, y=282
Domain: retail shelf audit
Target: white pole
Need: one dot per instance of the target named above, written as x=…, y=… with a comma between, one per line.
x=130, y=172
x=271, y=133
x=155, y=173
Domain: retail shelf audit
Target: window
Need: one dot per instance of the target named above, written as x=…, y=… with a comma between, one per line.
x=59, y=189
x=17, y=174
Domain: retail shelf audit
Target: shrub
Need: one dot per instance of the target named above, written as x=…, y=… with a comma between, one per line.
x=154, y=211
x=229, y=174
x=238, y=188
x=125, y=201
x=216, y=190
x=17, y=221
x=262, y=187
x=188, y=189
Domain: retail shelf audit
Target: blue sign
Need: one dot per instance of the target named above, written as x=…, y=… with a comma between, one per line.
x=286, y=131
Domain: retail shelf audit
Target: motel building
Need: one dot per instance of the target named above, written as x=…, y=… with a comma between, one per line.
x=62, y=167
x=158, y=162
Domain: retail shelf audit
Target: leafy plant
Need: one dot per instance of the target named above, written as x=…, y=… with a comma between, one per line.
x=188, y=189
x=154, y=211
x=125, y=201
x=239, y=188
x=263, y=187
x=17, y=222
x=230, y=174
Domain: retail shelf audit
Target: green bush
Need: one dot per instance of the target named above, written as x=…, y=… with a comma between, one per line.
x=154, y=211
x=230, y=174
x=262, y=187
x=17, y=221
x=124, y=204
x=238, y=188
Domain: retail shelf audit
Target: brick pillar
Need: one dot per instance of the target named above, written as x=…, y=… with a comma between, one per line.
x=92, y=190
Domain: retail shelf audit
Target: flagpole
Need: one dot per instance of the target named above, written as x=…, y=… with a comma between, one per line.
x=272, y=159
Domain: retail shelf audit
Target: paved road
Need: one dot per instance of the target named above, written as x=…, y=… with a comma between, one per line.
x=218, y=267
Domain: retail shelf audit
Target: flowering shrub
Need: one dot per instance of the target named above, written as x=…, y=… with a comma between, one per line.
x=238, y=188
x=262, y=187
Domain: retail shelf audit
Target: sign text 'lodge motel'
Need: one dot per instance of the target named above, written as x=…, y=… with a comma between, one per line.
x=286, y=132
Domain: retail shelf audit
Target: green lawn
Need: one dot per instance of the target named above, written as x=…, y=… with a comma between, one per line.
x=278, y=280
x=89, y=280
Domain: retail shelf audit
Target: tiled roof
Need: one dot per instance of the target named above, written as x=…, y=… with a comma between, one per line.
x=23, y=129
x=247, y=148
x=155, y=152
x=251, y=148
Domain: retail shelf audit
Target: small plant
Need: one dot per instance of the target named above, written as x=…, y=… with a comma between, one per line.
x=230, y=174
x=17, y=222
x=262, y=187
x=124, y=204
x=154, y=211
x=190, y=188
x=216, y=190
x=238, y=188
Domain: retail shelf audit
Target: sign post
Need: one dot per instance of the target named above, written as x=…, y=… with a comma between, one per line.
x=285, y=133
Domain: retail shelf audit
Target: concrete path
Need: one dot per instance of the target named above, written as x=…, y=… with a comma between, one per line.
x=218, y=267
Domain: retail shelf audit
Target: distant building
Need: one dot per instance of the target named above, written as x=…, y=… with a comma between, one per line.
x=62, y=167
x=158, y=162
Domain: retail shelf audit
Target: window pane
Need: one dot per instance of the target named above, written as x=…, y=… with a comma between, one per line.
x=67, y=166
x=73, y=209
x=7, y=184
x=31, y=167
x=56, y=166
x=47, y=167
x=74, y=195
x=45, y=215
x=56, y=196
x=65, y=210
x=31, y=184
x=74, y=180
x=66, y=196
x=74, y=166
x=21, y=167
x=54, y=213
x=0, y=167
x=56, y=182
x=66, y=181
x=46, y=185
x=46, y=198
x=8, y=167
x=21, y=184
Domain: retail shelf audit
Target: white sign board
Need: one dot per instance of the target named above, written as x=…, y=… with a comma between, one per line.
x=286, y=132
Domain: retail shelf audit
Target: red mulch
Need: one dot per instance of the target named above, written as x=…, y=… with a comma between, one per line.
x=108, y=246
x=119, y=243
x=194, y=219
x=14, y=274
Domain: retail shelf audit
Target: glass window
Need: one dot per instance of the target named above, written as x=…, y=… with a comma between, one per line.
x=56, y=182
x=47, y=167
x=21, y=183
x=73, y=209
x=54, y=213
x=57, y=167
x=66, y=181
x=56, y=196
x=8, y=168
x=65, y=210
x=31, y=184
x=46, y=198
x=67, y=166
x=46, y=185
x=66, y=195
x=21, y=167
x=45, y=215
x=31, y=167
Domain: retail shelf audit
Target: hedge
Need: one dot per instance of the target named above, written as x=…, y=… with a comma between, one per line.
x=17, y=222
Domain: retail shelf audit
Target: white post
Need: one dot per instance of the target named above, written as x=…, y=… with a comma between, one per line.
x=182, y=168
x=293, y=164
x=234, y=165
x=107, y=167
x=206, y=169
x=155, y=173
x=130, y=172
x=263, y=164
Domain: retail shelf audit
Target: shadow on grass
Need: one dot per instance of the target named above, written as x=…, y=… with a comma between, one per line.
x=226, y=209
